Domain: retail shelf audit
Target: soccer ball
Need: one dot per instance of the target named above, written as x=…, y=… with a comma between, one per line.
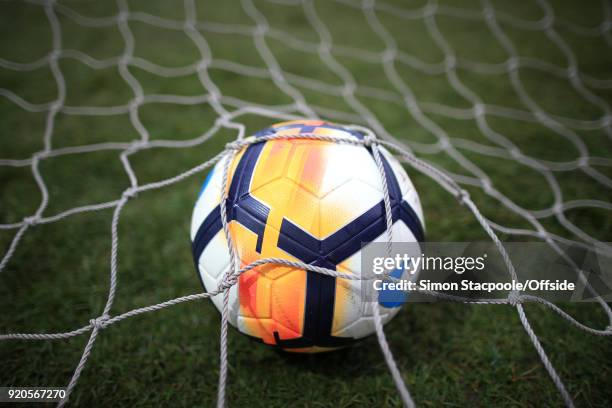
x=318, y=202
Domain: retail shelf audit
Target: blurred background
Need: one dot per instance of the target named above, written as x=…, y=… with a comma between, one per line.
x=512, y=99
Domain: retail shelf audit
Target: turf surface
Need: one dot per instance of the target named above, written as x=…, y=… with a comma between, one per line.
x=449, y=354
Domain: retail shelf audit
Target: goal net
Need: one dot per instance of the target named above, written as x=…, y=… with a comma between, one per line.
x=504, y=106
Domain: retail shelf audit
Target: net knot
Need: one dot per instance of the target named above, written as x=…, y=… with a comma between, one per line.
x=40, y=155
x=55, y=54
x=463, y=196
x=137, y=144
x=547, y=22
x=479, y=109
x=32, y=220
x=488, y=13
x=444, y=143
x=237, y=145
x=450, y=61
x=229, y=281
x=202, y=65
x=514, y=298
x=515, y=152
x=130, y=193
x=99, y=322
x=136, y=102
x=430, y=10
x=260, y=30
x=324, y=47
x=389, y=55
x=348, y=89
x=369, y=140
x=512, y=64
x=56, y=106
x=368, y=4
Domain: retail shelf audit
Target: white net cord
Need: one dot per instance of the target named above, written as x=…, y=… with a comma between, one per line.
x=230, y=110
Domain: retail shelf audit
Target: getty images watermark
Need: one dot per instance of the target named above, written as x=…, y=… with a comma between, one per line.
x=417, y=272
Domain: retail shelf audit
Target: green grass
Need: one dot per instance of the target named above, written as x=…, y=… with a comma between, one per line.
x=449, y=354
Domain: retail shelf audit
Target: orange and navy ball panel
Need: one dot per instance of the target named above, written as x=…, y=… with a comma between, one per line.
x=299, y=199
x=304, y=127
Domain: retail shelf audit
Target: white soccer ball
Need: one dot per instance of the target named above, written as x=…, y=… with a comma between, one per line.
x=304, y=200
